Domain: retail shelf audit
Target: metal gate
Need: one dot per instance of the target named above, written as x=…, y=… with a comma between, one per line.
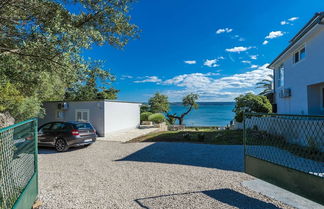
x=18, y=165
x=286, y=150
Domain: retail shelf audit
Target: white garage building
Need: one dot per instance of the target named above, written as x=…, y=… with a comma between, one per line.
x=105, y=115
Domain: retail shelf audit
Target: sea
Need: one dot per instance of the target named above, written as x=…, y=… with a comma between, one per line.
x=207, y=114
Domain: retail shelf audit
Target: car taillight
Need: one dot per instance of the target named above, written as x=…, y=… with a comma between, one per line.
x=75, y=132
x=94, y=131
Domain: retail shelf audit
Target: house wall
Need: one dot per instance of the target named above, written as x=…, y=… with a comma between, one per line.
x=121, y=116
x=299, y=76
x=96, y=113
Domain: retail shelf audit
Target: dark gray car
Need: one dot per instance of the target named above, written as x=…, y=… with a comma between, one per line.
x=63, y=135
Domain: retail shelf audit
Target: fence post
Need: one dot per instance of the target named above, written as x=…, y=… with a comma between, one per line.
x=36, y=151
x=244, y=139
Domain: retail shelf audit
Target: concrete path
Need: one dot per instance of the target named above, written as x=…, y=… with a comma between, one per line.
x=126, y=135
x=280, y=194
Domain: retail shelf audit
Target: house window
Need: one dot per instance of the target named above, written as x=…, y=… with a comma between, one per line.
x=296, y=57
x=299, y=55
x=59, y=115
x=280, y=76
x=302, y=54
x=82, y=115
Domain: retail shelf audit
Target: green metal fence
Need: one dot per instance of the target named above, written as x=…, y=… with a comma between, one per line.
x=286, y=150
x=18, y=165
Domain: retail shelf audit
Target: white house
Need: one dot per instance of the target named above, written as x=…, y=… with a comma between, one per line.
x=299, y=71
x=105, y=115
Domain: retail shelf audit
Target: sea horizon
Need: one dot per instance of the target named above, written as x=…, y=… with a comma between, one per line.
x=207, y=114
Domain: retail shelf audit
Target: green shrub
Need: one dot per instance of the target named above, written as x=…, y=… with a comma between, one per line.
x=201, y=137
x=157, y=118
x=251, y=103
x=145, y=116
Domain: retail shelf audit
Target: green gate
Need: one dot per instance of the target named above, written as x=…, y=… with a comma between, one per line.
x=286, y=150
x=18, y=165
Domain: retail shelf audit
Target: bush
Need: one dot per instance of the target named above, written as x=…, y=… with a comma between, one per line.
x=157, y=118
x=251, y=103
x=145, y=116
x=201, y=137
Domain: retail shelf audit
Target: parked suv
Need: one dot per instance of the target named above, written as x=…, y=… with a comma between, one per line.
x=63, y=135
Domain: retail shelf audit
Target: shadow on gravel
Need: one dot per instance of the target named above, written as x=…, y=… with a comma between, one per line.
x=227, y=196
x=50, y=150
x=225, y=157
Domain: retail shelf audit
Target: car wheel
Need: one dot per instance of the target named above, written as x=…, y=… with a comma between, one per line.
x=60, y=145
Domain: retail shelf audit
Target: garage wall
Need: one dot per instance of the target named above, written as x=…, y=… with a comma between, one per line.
x=121, y=116
x=96, y=113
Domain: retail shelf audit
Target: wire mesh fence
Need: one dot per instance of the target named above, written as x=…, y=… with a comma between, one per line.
x=18, y=160
x=293, y=141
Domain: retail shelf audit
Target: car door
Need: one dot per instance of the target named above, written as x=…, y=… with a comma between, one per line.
x=44, y=133
x=55, y=131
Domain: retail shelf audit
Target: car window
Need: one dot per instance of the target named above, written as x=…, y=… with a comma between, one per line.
x=83, y=126
x=45, y=127
x=58, y=126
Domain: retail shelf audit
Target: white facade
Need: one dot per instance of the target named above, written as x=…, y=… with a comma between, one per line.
x=106, y=116
x=299, y=72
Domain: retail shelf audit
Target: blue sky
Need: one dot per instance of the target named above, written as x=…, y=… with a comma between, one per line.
x=218, y=49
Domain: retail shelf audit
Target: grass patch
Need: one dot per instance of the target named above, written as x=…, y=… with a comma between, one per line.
x=208, y=136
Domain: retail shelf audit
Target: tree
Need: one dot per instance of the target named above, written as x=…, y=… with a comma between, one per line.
x=90, y=90
x=41, y=44
x=145, y=108
x=187, y=101
x=267, y=86
x=159, y=103
x=251, y=103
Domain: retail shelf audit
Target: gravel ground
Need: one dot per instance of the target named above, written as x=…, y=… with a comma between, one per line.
x=147, y=175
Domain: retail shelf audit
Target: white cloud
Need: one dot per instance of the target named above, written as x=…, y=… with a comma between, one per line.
x=265, y=42
x=238, y=49
x=239, y=38
x=124, y=77
x=190, y=62
x=293, y=19
x=211, y=63
x=253, y=57
x=274, y=34
x=224, y=30
x=284, y=22
x=149, y=79
x=254, y=66
x=216, y=89
x=246, y=61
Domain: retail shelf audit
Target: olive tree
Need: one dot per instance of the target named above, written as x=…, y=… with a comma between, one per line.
x=188, y=101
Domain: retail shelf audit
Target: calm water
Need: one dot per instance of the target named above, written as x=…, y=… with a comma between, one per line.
x=208, y=113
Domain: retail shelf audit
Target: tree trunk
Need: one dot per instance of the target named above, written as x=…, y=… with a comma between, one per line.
x=180, y=120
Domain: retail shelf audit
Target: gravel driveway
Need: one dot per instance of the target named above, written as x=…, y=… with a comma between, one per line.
x=147, y=175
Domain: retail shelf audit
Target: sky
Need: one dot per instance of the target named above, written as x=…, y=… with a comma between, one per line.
x=217, y=49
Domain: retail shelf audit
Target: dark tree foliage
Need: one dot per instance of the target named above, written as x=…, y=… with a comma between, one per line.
x=40, y=46
x=251, y=103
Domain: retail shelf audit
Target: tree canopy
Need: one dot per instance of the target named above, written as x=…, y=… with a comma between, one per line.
x=251, y=103
x=159, y=103
x=41, y=44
